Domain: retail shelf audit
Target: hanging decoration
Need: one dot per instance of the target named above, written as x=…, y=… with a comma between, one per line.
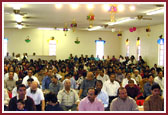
x=132, y=29
x=148, y=30
x=73, y=25
x=77, y=41
x=119, y=34
x=27, y=40
x=65, y=29
x=160, y=41
x=127, y=42
x=91, y=18
x=138, y=41
x=113, y=10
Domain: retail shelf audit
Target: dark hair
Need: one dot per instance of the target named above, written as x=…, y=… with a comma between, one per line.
x=54, y=76
x=30, y=79
x=96, y=92
x=51, y=97
x=130, y=81
x=99, y=82
x=18, y=82
x=21, y=85
x=21, y=101
x=150, y=75
x=120, y=88
x=154, y=86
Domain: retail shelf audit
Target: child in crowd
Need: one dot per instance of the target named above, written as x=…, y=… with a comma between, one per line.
x=20, y=105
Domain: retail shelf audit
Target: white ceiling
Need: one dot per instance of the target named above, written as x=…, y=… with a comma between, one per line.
x=47, y=16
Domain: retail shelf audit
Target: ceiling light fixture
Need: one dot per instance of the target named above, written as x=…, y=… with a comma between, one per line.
x=106, y=7
x=120, y=21
x=18, y=18
x=74, y=6
x=19, y=26
x=16, y=6
x=90, y=6
x=94, y=28
x=155, y=11
x=132, y=8
x=120, y=7
x=58, y=6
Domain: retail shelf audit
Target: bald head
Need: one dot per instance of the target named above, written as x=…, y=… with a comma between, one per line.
x=67, y=84
x=34, y=85
x=90, y=76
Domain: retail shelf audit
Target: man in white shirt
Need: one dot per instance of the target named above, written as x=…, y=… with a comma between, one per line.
x=37, y=95
x=128, y=77
x=30, y=75
x=160, y=80
x=15, y=77
x=111, y=87
x=103, y=77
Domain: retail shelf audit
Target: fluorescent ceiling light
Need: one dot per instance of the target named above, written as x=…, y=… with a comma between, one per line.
x=94, y=28
x=120, y=21
x=155, y=12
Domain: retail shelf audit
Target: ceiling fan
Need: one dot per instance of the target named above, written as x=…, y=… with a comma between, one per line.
x=141, y=17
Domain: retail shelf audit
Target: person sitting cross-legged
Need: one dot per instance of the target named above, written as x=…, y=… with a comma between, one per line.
x=68, y=97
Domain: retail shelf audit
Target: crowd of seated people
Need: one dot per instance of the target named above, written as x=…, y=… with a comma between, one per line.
x=81, y=84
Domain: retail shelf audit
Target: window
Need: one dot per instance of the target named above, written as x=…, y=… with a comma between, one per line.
x=5, y=50
x=100, y=48
x=52, y=47
x=138, y=48
x=161, y=55
x=127, y=47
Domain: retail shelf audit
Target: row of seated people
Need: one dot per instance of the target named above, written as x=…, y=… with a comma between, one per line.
x=68, y=99
x=110, y=86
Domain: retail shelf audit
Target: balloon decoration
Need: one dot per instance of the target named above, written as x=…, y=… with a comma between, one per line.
x=113, y=10
x=119, y=34
x=91, y=18
x=73, y=25
x=148, y=30
x=77, y=41
x=27, y=40
x=65, y=29
x=160, y=41
x=138, y=41
x=127, y=42
x=132, y=29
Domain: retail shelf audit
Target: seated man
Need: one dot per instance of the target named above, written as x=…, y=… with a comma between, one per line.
x=154, y=102
x=55, y=86
x=68, y=98
x=148, y=85
x=37, y=95
x=123, y=102
x=133, y=90
x=91, y=102
x=102, y=95
x=29, y=103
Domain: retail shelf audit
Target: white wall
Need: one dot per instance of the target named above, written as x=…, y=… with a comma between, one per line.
x=149, y=46
x=65, y=44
